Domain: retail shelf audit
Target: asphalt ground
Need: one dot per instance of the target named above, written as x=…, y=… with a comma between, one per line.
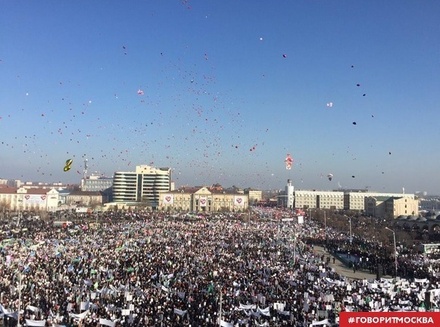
x=341, y=268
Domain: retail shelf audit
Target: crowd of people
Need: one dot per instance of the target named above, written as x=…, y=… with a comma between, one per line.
x=160, y=270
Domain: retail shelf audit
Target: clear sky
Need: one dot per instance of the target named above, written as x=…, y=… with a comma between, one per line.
x=222, y=91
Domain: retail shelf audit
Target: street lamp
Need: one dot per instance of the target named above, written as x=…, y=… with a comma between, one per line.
x=351, y=237
x=395, y=248
x=325, y=224
x=19, y=211
x=20, y=285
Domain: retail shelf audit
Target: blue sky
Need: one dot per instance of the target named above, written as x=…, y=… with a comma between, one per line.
x=229, y=88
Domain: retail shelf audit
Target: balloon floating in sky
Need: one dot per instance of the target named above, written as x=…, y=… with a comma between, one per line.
x=354, y=123
x=330, y=104
x=284, y=56
x=288, y=161
x=330, y=177
x=140, y=92
x=68, y=164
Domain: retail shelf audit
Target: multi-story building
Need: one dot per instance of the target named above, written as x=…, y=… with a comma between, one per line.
x=11, y=182
x=286, y=199
x=391, y=207
x=319, y=199
x=41, y=185
x=143, y=186
x=96, y=183
x=355, y=200
x=34, y=199
x=125, y=187
x=86, y=198
x=203, y=199
x=254, y=196
x=376, y=204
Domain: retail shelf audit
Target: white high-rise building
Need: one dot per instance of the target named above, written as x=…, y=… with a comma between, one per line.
x=290, y=194
x=286, y=198
x=142, y=186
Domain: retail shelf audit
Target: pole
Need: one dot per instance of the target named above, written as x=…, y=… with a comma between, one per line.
x=220, y=307
x=395, y=249
x=294, y=250
x=351, y=237
x=395, y=252
x=19, y=214
x=19, y=298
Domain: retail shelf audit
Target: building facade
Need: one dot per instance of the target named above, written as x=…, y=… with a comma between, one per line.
x=203, y=199
x=86, y=198
x=23, y=199
x=144, y=186
x=96, y=183
x=286, y=198
x=375, y=204
x=391, y=207
x=254, y=196
x=356, y=200
x=319, y=200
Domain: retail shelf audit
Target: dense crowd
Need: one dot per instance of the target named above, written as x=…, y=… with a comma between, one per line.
x=158, y=270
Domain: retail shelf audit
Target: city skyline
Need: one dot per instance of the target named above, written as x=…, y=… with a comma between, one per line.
x=93, y=176
x=223, y=92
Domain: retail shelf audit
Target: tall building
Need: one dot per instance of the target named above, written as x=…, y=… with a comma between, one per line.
x=142, y=186
x=286, y=199
x=290, y=195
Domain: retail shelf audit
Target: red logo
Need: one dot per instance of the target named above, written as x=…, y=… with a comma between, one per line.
x=168, y=198
x=27, y=197
x=391, y=319
x=239, y=200
x=43, y=197
x=202, y=201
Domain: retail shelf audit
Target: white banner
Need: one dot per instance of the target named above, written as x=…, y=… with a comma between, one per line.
x=265, y=311
x=79, y=316
x=324, y=322
x=168, y=199
x=202, y=201
x=247, y=307
x=35, y=199
x=106, y=322
x=180, y=312
x=32, y=308
x=225, y=324
x=239, y=200
x=35, y=323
